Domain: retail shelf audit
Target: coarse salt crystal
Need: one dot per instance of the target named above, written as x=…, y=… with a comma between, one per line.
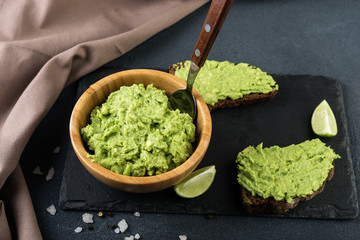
x=122, y=225
x=51, y=209
x=131, y=237
x=50, y=174
x=137, y=236
x=56, y=150
x=78, y=229
x=87, y=218
x=37, y=171
x=117, y=230
x=182, y=237
x=136, y=214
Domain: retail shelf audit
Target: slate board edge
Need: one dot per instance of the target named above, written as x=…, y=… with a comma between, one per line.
x=348, y=149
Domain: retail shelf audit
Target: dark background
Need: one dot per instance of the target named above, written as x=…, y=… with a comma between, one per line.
x=281, y=37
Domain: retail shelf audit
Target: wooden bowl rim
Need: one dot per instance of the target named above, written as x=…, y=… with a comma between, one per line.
x=97, y=170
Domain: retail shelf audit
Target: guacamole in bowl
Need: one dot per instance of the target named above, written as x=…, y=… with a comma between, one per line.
x=137, y=133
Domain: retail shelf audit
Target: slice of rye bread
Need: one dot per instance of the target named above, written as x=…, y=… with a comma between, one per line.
x=256, y=204
x=229, y=103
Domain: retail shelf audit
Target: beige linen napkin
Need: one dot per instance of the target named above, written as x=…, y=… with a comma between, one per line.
x=44, y=46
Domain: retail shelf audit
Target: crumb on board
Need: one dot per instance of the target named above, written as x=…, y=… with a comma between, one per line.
x=50, y=174
x=56, y=150
x=51, y=209
x=87, y=218
x=182, y=237
x=37, y=171
x=122, y=225
x=89, y=227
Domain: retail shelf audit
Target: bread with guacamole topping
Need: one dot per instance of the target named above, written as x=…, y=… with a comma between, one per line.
x=225, y=84
x=275, y=179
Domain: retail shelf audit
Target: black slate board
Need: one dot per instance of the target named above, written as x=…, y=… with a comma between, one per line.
x=282, y=121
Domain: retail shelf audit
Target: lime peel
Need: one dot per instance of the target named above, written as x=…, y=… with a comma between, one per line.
x=323, y=121
x=197, y=183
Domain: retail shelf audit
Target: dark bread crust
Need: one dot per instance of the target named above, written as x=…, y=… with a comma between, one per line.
x=256, y=204
x=174, y=67
x=245, y=100
x=229, y=103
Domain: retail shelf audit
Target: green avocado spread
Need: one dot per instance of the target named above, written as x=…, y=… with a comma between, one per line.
x=224, y=80
x=136, y=132
x=285, y=173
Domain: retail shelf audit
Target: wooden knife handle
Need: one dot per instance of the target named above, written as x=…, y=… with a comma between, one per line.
x=212, y=25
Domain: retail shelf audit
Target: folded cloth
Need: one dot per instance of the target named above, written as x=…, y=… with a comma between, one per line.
x=44, y=46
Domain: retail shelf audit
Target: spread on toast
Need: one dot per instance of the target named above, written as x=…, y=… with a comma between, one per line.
x=275, y=176
x=225, y=84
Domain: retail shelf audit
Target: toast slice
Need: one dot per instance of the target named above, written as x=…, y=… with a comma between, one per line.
x=256, y=204
x=250, y=97
x=274, y=180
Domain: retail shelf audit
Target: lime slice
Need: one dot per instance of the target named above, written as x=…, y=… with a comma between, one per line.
x=196, y=183
x=323, y=121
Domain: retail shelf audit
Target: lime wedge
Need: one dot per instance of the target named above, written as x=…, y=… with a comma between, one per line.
x=196, y=183
x=323, y=121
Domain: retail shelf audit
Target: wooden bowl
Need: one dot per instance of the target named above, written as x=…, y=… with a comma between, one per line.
x=97, y=93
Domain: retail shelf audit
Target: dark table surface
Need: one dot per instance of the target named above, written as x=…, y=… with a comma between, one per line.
x=281, y=37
